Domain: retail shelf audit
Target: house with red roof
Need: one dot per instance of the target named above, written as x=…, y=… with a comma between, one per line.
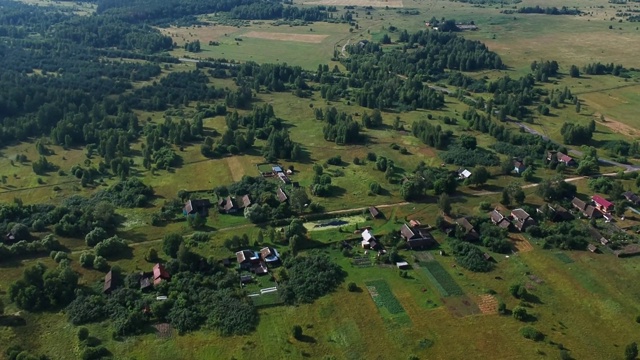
x=602, y=204
x=160, y=274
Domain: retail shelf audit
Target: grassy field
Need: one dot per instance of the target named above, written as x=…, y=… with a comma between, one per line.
x=585, y=302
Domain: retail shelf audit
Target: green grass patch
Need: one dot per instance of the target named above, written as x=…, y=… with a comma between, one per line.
x=441, y=279
x=267, y=299
x=563, y=257
x=383, y=297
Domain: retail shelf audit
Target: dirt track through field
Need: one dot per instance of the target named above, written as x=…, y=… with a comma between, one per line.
x=616, y=126
x=305, y=38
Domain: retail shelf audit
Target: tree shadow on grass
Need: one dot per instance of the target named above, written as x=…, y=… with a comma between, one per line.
x=12, y=321
x=307, y=339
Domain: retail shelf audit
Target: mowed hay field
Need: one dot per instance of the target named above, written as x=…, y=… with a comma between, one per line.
x=306, y=46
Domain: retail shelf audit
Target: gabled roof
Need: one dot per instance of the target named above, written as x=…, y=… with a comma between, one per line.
x=518, y=164
x=465, y=224
x=188, y=207
x=602, y=201
x=496, y=216
x=228, y=204
x=269, y=254
x=632, y=197
x=246, y=201
x=520, y=214
x=374, y=211
x=406, y=231
x=578, y=204
x=464, y=173
x=590, y=211
x=108, y=283
x=563, y=157
x=276, y=169
x=246, y=255
x=282, y=197
x=415, y=233
x=159, y=274
x=367, y=236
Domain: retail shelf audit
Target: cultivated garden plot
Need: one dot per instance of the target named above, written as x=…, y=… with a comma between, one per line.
x=441, y=279
x=383, y=297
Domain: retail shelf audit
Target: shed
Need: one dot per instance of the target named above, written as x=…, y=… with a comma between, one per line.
x=374, y=212
x=592, y=248
x=402, y=265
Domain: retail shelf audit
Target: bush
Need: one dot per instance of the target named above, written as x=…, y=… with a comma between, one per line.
x=38, y=225
x=520, y=313
x=86, y=259
x=92, y=353
x=83, y=333
x=531, y=333
x=518, y=291
x=352, y=287
x=485, y=206
x=326, y=274
x=502, y=308
x=111, y=247
x=171, y=244
x=100, y=263
x=61, y=255
x=152, y=255
x=200, y=236
x=336, y=160
x=296, y=332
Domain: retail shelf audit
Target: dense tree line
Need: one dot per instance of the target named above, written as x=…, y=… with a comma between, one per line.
x=576, y=134
x=44, y=289
x=604, y=69
x=340, y=127
x=548, y=10
x=433, y=136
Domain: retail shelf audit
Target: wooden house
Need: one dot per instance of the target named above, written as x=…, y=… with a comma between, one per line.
x=198, y=206
x=470, y=233
x=603, y=205
x=522, y=219
x=416, y=238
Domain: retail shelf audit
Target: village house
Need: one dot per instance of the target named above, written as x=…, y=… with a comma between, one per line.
x=270, y=255
x=251, y=260
x=597, y=236
x=199, y=206
x=416, y=237
x=227, y=205
x=470, y=233
x=592, y=248
x=586, y=209
x=555, y=213
x=603, y=205
x=375, y=213
x=246, y=201
x=499, y=220
x=369, y=241
x=283, y=178
x=518, y=167
x=280, y=194
x=561, y=157
x=632, y=197
x=522, y=219
x=160, y=274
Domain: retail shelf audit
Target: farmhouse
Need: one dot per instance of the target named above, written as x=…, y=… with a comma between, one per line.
x=597, y=236
x=416, y=238
x=587, y=210
x=499, y=220
x=145, y=281
x=200, y=206
x=160, y=274
x=282, y=197
x=555, y=213
x=247, y=258
x=470, y=233
x=522, y=219
x=270, y=255
x=374, y=212
x=227, y=205
x=603, y=205
x=631, y=197
x=518, y=167
x=369, y=241
x=561, y=157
